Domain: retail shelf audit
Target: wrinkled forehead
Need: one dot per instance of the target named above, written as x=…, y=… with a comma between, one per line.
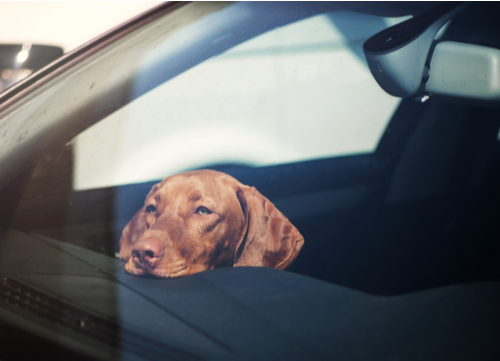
x=193, y=187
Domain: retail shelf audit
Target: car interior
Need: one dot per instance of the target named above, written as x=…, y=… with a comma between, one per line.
x=396, y=199
x=408, y=233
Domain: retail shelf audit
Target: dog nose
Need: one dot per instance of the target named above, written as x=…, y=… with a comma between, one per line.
x=147, y=252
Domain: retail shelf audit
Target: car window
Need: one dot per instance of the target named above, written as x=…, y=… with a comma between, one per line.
x=301, y=91
x=289, y=107
x=203, y=87
x=391, y=198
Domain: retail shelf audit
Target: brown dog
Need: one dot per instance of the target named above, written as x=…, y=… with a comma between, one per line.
x=205, y=219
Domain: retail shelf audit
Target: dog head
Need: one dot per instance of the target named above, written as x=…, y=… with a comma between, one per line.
x=205, y=219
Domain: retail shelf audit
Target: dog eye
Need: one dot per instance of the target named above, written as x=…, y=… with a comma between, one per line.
x=151, y=209
x=203, y=211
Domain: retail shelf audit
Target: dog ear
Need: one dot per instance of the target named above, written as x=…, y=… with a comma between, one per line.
x=131, y=234
x=134, y=230
x=268, y=238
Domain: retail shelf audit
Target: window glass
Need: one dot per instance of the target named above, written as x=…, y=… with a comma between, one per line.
x=295, y=93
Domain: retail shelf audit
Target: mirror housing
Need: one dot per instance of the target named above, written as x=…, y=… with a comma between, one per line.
x=397, y=55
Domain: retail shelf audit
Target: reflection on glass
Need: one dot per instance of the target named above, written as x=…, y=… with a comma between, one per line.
x=22, y=56
x=19, y=61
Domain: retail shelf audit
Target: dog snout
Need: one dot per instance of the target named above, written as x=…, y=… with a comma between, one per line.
x=147, y=252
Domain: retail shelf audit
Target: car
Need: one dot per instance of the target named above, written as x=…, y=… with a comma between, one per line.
x=393, y=183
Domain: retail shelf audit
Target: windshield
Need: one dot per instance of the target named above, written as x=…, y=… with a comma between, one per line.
x=256, y=96
x=385, y=209
x=287, y=105
x=275, y=98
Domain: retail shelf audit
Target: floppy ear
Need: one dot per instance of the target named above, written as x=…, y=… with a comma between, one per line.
x=131, y=234
x=134, y=230
x=268, y=238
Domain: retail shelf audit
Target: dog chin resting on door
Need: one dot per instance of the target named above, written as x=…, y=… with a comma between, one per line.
x=205, y=219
